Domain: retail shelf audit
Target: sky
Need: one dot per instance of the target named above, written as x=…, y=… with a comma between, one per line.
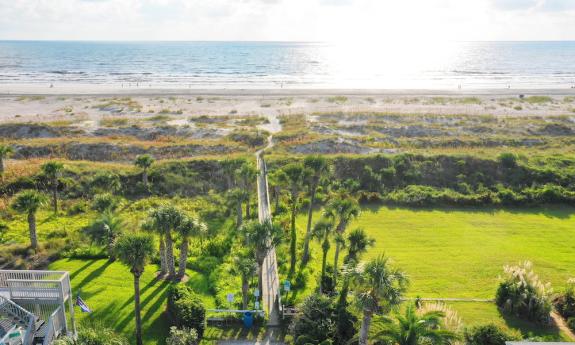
x=350, y=21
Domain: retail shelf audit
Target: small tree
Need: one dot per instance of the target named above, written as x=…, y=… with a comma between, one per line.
x=378, y=289
x=322, y=231
x=5, y=152
x=164, y=220
x=262, y=237
x=144, y=162
x=357, y=243
x=235, y=198
x=246, y=266
x=29, y=201
x=106, y=230
x=295, y=174
x=247, y=174
x=53, y=171
x=318, y=168
x=134, y=251
x=489, y=334
x=189, y=227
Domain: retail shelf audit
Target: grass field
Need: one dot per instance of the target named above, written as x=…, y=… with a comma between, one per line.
x=460, y=253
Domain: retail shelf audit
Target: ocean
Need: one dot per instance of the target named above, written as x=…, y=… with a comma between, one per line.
x=260, y=65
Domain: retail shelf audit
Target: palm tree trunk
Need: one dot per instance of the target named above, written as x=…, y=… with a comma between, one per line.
x=137, y=308
x=336, y=258
x=364, y=330
x=1, y=165
x=145, y=177
x=277, y=197
x=245, y=290
x=32, y=229
x=170, y=255
x=293, y=241
x=260, y=280
x=248, y=209
x=111, y=254
x=55, y=196
x=305, y=256
x=239, y=219
x=183, y=258
x=323, y=264
x=163, y=266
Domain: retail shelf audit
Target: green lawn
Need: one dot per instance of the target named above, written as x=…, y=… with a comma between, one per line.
x=108, y=290
x=461, y=252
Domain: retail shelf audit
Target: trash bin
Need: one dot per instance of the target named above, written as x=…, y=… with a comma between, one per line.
x=248, y=319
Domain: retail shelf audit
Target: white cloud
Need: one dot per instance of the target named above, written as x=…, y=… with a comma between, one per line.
x=314, y=20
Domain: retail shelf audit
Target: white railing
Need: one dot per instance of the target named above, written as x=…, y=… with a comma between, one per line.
x=36, y=284
x=56, y=324
x=25, y=318
x=6, y=275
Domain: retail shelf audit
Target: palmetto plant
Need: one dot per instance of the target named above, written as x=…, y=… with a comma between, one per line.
x=262, y=237
x=322, y=231
x=106, y=230
x=52, y=171
x=189, y=227
x=144, y=162
x=5, y=152
x=295, y=176
x=163, y=220
x=247, y=174
x=413, y=328
x=378, y=288
x=318, y=168
x=134, y=251
x=28, y=202
x=357, y=243
x=235, y=199
x=246, y=266
x=342, y=209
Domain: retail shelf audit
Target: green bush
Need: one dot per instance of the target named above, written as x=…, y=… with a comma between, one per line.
x=523, y=294
x=95, y=335
x=105, y=201
x=185, y=336
x=486, y=335
x=205, y=264
x=565, y=302
x=186, y=309
x=571, y=323
x=315, y=321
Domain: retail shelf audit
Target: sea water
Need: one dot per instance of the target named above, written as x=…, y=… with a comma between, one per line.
x=259, y=65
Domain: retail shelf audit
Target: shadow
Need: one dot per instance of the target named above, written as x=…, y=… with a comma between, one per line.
x=550, y=211
x=93, y=275
x=530, y=329
x=80, y=269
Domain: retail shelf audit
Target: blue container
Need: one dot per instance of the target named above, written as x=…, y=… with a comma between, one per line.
x=248, y=319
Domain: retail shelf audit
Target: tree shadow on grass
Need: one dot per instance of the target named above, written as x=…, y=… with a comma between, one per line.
x=81, y=269
x=93, y=275
x=530, y=329
x=549, y=211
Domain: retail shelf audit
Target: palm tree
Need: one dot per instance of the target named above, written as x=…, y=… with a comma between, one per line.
x=378, y=288
x=229, y=168
x=144, y=162
x=342, y=209
x=189, y=227
x=246, y=266
x=106, y=230
x=29, y=201
x=134, y=251
x=52, y=170
x=275, y=180
x=163, y=220
x=322, y=231
x=262, y=237
x=318, y=168
x=5, y=152
x=295, y=174
x=236, y=197
x=247, y=173
x=413, y=328
x=358, y=243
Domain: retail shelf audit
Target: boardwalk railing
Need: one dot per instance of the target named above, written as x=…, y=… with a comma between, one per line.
x=56, y=325
x=23, y=317
x=38, y=285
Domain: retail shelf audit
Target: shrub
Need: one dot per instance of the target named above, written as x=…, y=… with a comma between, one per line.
x=565, y=302
x=315, y=321
x=185, y=336
x=76, y=208
x=205, y=264
x=186, y=309
x=486, y=335
x=523, y=294
x=94, y=335
x=103, y=202
x=571, y=323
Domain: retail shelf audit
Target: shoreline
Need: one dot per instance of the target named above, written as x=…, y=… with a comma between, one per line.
x=10, y=90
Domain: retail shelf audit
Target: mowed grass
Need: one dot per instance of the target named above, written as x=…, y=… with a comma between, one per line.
x=453, y=253
x=108, y=290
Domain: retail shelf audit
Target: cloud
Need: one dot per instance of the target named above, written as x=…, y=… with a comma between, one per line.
x=515, y=4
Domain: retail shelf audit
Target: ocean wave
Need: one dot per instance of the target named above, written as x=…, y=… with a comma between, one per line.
x=62, y=72
x=477, y=72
